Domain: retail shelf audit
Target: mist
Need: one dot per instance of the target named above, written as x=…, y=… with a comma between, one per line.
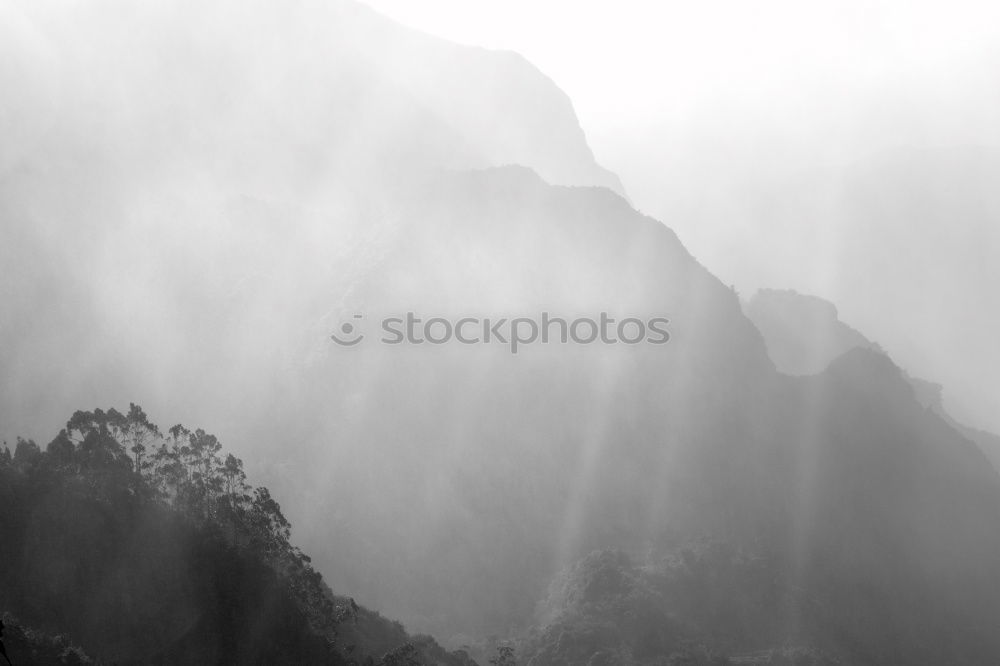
x=199, y=201
x=785, y=144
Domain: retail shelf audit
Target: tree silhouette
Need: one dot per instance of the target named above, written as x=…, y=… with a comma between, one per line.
x=3, y=649
x=126, y=458
x=137, y=432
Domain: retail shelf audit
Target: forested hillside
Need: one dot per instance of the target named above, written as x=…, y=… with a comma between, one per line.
x=199, y=195
x=150, y=546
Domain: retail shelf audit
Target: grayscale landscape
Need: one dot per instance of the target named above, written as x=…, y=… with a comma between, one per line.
x=328, y=340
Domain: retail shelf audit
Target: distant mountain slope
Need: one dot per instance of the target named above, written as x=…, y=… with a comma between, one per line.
x=130, y=127
x=191, y=225
x=899, y=228
x=804, y=335
x=707, y=604
x=867, y=493
x=275, y=97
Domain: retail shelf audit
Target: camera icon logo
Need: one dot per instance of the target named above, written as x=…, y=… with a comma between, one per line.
x=349, y=334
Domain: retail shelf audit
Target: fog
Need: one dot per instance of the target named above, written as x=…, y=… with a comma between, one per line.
x=791, y=145
x=195, y=197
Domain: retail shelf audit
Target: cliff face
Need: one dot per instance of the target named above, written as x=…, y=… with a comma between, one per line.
x=262, y=97
x=192, y=234
x=143, y=127
x=804, y=335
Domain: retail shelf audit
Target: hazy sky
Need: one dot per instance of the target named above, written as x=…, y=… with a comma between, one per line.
x=633, y=61
x=191, y=195
x=843, y=149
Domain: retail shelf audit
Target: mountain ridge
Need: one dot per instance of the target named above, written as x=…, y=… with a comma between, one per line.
x=195, y=241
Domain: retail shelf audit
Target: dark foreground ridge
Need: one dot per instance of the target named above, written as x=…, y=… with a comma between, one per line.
x=143, y=546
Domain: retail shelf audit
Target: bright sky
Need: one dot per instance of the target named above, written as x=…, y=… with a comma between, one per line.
x=714, y=111
x=631, y=61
